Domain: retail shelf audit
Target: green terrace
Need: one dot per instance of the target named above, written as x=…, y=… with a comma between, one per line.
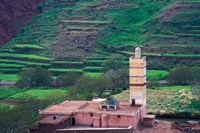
x=164, y=36
x=24, y=57
x=156, y=75
x=188, y=35
x=4, y=106
x=28, y=46
x=7, y=50
x=158, y=54
x=15, y=63
x=93, y=74
x=39, y=94
x=9, y=95
x=68, y=64
x=101, y=61
x=58, y=71
x=9, y=70
x=7, y=91
x=98, y=58
x=8, y=77
x=99, y=22
x=93, y=69
x=2, y=65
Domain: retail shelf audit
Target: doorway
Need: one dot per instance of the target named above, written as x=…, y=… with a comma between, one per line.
x=133, y=102
x=73, y=122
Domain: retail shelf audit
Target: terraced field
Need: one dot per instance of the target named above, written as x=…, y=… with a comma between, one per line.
x=68, y=35
x=175, y=30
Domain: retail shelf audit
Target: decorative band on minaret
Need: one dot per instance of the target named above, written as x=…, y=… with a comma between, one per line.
x=137, y=78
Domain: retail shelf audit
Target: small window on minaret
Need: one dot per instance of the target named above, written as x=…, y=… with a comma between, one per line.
x=119, y=116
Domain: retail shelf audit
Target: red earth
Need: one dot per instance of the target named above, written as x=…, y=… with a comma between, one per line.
x=13, y=15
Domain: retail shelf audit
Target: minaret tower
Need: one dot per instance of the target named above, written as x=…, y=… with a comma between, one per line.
x=137, y=73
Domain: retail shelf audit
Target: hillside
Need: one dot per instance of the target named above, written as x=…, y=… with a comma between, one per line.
x=79, y=35
x=14, y=15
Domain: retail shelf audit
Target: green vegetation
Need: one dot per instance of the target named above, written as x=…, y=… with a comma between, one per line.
x=11, y=65
x=184, y=76
x=41, y=94
x=14, y=61
x=93, y=69
x=65, y=70
x=8, y=77
x=169, y=100
x=28, y=46
x=93, y=74
x=101, y=61
x=182, y=55
x=67, y=62
x=119, y=28
x=4, y=106
x=67, y=80
x=157, y=74
x=24, y=56
x=7, y=91
x=174, y=88
x=129, y=21
x=166, y=36
x=9, y=70
x=86, y=87
x=34, y=77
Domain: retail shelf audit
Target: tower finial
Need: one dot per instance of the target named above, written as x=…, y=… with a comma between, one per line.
x=138, y=53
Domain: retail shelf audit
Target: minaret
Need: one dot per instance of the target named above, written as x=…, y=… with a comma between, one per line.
x=137, y=73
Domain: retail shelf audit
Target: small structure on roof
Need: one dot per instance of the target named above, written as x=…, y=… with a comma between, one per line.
x=110, y=104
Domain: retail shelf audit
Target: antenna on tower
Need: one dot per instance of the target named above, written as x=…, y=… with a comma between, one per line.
x=138, y=53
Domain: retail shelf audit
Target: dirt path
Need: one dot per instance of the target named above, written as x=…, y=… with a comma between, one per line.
x=7, y=83
x=161, y=127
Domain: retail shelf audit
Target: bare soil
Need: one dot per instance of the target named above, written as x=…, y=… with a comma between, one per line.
x=161, y=127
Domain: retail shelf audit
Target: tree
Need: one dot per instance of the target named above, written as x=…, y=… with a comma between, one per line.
x=34, y=77
x=115, y=62
x=82, y=89
x=180, y=76
x=86, y=87
x=195, y=75
x=67, y=80
x=20, y=118
x=196, y=91
x=119, y=77
x=101, y=84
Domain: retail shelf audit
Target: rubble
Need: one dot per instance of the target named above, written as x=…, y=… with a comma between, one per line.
x=192, y=127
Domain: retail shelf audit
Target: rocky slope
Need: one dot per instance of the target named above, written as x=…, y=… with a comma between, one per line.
x=13, y=15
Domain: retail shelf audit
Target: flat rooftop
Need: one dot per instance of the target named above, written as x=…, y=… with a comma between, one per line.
x=69, y=107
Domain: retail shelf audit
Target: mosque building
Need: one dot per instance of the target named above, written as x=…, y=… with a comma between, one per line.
x=106, y=115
